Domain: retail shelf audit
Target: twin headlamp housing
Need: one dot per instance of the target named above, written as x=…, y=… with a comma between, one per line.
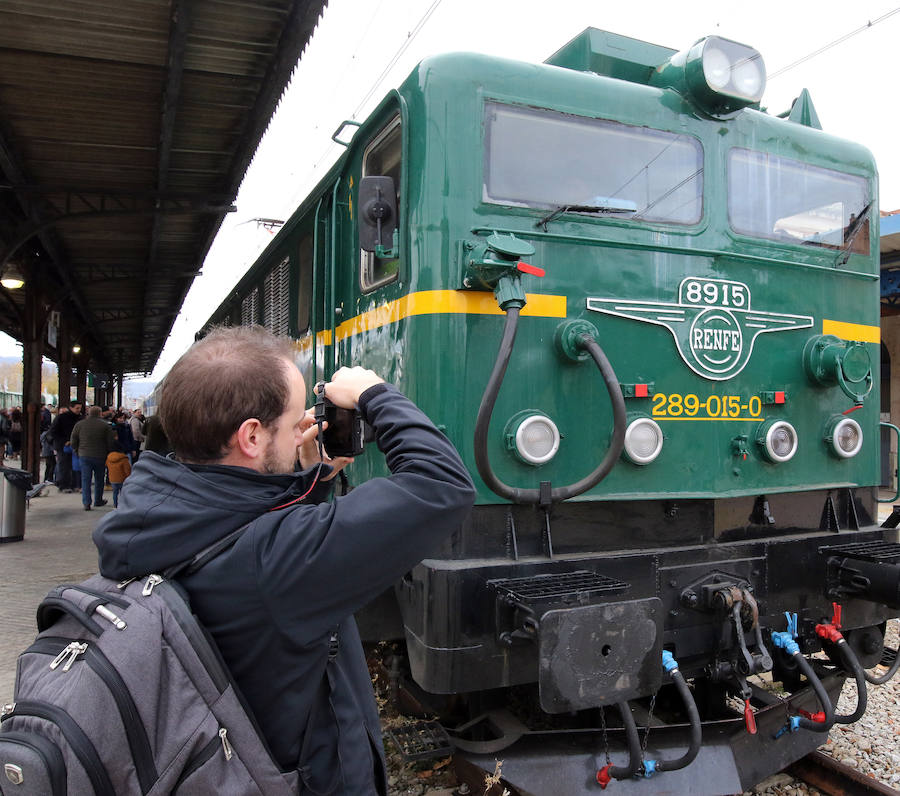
x=719, y=74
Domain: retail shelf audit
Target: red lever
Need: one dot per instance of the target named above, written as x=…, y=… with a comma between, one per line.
x=525, y=268
x=819, y=717
x=749, y=718
x=603, y=777
x=836, y=619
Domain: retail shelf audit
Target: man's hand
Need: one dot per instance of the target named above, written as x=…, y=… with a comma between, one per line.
x=348, y=384
x=308, y=452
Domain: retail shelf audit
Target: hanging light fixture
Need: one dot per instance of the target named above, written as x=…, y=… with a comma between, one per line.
x=76, y=349
x=12, y=278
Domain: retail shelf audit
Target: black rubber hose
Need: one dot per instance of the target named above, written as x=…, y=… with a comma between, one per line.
x=850, y=664
x=821, y=693
x=634, y=745
x=892, y=670
x=696, y=734
x=486, y=409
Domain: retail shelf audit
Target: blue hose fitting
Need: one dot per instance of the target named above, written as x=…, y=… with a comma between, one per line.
x=649, y=768
x=792, y=726
x=669, y=662
x=784, y=640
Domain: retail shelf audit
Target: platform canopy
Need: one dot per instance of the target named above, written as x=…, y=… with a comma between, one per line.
x=125, y=131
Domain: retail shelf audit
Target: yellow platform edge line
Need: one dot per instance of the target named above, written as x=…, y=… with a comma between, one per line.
x=852, y=331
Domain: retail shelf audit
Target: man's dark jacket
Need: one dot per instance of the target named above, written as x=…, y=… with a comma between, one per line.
x=61, y=428
x=298, y=573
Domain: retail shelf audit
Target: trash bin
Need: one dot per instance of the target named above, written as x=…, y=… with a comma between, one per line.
x=13, y=486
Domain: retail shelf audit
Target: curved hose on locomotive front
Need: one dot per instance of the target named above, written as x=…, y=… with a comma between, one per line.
x=822, y=695
x=694, y=718
x=883, y=678
x=486, y=409
x=850, y=663
x=610, y=771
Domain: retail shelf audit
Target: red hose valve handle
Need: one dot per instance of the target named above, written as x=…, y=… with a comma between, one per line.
x=836, y=618
x=749, y=717
x=829, y=632
x=603, y=777
x=819, y=717
x=526, y=268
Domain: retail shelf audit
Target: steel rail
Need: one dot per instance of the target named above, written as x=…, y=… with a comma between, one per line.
x=838, y=779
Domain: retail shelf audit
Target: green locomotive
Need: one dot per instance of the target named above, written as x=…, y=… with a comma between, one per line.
x=646, y=312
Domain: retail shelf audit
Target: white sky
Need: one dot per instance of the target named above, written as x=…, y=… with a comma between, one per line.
x=342, y=76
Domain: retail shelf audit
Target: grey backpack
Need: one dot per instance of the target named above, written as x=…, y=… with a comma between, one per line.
x=123, y=692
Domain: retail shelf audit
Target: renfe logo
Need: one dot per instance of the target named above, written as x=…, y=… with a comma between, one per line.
x=712, y=323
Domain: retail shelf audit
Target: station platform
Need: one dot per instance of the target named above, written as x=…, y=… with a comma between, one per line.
x=57, y=548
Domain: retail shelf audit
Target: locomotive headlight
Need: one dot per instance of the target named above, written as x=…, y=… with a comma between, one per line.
x=533, y=437
x=719, y=74
x=844, y=436
x=643, y=440
x=777, y=440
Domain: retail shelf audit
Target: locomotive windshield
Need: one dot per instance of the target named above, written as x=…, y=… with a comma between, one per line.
x=790, y=201
x=540, y=158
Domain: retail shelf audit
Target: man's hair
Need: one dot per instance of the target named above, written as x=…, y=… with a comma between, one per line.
x=229, y=376
x=93, y=411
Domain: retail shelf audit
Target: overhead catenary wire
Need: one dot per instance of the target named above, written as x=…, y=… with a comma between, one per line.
x=824, y=48
x=410, y=37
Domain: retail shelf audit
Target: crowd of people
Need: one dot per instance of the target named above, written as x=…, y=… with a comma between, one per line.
x=84, y=447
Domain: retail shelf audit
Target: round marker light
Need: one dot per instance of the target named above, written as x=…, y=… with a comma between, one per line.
x=643, y=440
x=778, y=440
x=533, y=437
x=844, y=436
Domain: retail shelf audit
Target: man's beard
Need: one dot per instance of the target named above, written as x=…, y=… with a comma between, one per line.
x=271, y=463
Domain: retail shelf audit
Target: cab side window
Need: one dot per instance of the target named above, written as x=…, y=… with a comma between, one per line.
x=382, y=158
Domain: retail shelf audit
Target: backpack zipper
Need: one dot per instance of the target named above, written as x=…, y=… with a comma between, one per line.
x=135, y=731
x=226, y=745
x=152, y=580
x=79, y=742
x=71, y=651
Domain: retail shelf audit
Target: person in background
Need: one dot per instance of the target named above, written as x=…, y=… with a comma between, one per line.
x=15, y=432
x=48, y=455
x=119, y=468
x=92, y=440
x=137, y=431
x=4, y=434
x=155, y=438
x=60, y=434
x=124, y=435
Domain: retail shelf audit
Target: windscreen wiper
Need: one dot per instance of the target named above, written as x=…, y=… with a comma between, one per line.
x=596, y=209
x=853, y=229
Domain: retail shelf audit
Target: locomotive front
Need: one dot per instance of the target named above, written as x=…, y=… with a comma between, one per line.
x=665, y=356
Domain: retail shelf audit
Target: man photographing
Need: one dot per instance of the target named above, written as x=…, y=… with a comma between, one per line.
x=280, y=601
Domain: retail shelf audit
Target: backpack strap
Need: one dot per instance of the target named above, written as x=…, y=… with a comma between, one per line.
x=207, y=554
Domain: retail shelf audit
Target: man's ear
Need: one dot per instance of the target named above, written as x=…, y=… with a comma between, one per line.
x=250, y=439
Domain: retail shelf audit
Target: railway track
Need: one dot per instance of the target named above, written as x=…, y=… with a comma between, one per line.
x=837, y=779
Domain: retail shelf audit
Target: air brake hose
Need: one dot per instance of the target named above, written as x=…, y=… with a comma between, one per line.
x=634, y=746
x=489, y=399
x=851, y=664
x=821, y=693
x=696, y=732
x=882, y=679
